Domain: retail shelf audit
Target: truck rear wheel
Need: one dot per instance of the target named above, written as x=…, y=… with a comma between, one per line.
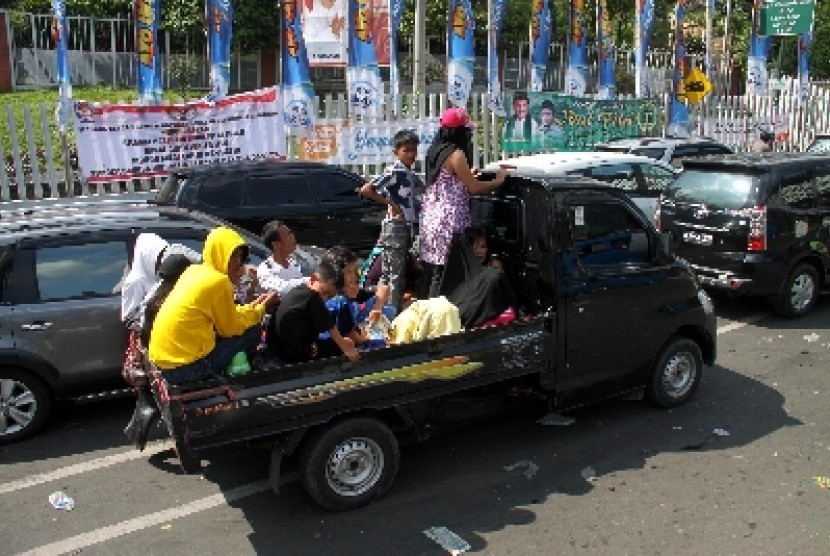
x=676, y=373
x=350, y=463
x=799, y=292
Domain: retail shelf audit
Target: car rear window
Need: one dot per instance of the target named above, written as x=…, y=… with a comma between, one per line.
x=714, y=188
x=820, y=146
x=655, y=153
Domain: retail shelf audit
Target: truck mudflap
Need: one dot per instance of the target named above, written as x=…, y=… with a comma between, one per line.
x=273, y=400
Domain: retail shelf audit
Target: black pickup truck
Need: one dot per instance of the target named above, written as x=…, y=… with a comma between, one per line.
x=606, y=310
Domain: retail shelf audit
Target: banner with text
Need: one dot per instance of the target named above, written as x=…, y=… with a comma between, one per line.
x=124, y=141
x=337, y=141
x=147, y=18
x=326, y=29
x=568, y=123
x=220, y=30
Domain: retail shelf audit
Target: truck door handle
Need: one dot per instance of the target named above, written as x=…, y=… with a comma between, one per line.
x=37, y=325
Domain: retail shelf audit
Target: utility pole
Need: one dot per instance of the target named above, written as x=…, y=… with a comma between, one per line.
x=419, y=48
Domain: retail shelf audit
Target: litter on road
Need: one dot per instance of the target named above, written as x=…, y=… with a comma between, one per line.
x=531, y=470
x=448, y=540
x=61, y=501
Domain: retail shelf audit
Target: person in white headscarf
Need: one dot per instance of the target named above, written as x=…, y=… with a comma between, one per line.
x=142, y=275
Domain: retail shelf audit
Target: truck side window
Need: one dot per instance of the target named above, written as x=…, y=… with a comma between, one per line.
x=619, y=175
x=795, y=190
x=602, y=234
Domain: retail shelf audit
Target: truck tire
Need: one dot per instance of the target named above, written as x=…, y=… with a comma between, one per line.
x=350, y=463
x=25, y=404
x=676, y=373
x=799, y=292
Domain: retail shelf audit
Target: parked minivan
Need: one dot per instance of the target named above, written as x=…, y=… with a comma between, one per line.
x=642, y=178
x=754, y=224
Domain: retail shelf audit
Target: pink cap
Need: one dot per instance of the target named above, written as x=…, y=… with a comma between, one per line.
x=455, y=117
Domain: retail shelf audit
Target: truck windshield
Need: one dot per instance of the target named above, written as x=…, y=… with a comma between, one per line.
x=719, y=189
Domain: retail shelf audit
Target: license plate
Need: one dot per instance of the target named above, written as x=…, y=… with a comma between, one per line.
x=697, y=238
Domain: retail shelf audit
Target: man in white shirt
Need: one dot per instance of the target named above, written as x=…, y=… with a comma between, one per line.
x=279, y=272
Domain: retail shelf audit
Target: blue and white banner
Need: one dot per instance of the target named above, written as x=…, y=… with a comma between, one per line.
x=461, y=51
x=539, y=43
x=362, y=73
x=298, y=92
x=495, y=95
x=678, y=109
x=576, y=77
x=63, y=111
x=607, y=86
x=757, y=77
x=395, y=15
x=147, y=18
x=642, y=38
x=710, y=16
x=220, y=28
x=805, y=43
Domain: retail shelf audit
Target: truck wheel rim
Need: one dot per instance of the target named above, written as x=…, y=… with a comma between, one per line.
x=354, y=466
x=17, y=406
x=802, y=292
x=679, y=374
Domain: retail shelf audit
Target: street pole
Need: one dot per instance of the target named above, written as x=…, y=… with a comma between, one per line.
x=419, y=48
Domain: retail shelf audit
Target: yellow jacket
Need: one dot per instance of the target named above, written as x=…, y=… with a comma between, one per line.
x=425, y=319
x=201, y=306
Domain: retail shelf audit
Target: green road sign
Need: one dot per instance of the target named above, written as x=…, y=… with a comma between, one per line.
x=786, y=17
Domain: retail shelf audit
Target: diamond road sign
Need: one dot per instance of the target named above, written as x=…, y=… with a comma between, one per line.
x=786, y=17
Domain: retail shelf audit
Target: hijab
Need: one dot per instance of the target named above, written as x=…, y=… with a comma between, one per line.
x=447, y=140
x=142, y=274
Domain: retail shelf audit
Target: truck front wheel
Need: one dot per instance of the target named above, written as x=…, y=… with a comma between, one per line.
x=350, y=463
x=676, y=373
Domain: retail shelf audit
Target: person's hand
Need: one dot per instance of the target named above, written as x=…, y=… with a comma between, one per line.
x=253, y=283
x=373, y=316
x=350, y=351
x=395, y=209
x=501, y=175
x=269, y=299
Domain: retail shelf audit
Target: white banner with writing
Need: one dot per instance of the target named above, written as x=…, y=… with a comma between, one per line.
x=343, y=142
x=123, y=141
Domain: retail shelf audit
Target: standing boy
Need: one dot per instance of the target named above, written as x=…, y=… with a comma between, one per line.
x=397, y=188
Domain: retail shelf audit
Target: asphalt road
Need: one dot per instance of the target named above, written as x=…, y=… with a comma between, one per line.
x=732, y=472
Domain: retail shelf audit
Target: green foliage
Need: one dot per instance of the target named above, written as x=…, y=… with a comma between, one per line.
x=256, y=24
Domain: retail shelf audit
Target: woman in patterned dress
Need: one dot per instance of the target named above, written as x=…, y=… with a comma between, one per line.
x=450, y=181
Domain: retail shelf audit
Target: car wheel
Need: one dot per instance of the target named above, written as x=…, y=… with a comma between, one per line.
x=799, y=292
x=350, y=464
x=25, y=405
x=676, y=373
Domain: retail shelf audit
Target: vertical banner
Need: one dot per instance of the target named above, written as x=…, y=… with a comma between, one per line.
x=495, y=96
x=63, y=110
x=710, y=15
x=576, y=77
x=147, y=18
x=460, y=51
x=539, y=43
x=607, y=82
x=678, y=109
x=362, y=73
x=756, y=61
x=805, y=43
x=220, y=28
x=642, y=38
x=395, y=15
x=325, y=30
x=298, y=93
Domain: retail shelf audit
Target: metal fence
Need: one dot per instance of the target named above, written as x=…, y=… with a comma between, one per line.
x=32, y=172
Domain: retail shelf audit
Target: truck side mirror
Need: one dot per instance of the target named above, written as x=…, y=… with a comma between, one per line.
x=638, y=244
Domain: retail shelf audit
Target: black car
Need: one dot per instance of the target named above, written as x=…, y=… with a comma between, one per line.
x=320, y=202
x=755, y=224
x=61, y=270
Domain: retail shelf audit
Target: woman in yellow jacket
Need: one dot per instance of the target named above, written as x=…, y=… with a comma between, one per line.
x=199, y=327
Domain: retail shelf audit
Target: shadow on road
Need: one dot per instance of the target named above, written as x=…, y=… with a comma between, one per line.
x=458, y=479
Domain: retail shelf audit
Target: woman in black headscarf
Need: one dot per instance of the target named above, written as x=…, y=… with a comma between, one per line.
x=446, y=203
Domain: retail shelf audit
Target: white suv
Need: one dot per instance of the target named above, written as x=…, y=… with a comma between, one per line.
x=671, y=150
x=642, y=178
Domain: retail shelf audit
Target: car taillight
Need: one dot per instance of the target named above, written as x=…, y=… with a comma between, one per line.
x=757, y=239
x=657, y=212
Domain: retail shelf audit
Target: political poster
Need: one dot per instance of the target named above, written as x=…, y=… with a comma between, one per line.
x=326, y=28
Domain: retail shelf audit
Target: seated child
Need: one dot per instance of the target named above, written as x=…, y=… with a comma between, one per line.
x=478, y=238
x=295, y=327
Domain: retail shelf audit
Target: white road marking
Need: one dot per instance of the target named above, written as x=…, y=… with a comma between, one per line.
x=751, y=319
x=83, y=467
x=97, y=536
x=84, y=540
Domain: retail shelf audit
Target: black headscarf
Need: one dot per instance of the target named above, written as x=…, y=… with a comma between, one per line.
x=447, y=140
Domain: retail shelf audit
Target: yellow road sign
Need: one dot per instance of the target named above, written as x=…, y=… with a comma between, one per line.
x=696, y=86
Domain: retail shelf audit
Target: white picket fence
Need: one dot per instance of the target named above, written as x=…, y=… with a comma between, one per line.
x=31, y=173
